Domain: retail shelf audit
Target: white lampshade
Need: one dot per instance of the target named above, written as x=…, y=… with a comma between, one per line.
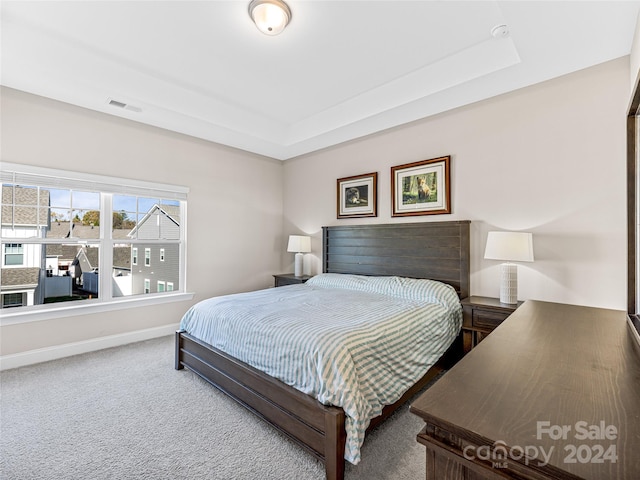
x=300, y=244
x=270, y=16
x=512, y=247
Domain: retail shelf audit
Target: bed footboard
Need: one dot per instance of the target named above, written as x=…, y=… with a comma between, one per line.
x=316, y=427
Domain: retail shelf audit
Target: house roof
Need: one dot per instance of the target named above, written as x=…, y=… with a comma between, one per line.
x=86, y=232
x=89, y=258
x=63, y=252
x=172, y=212
x=20, y=277
x=19, y=206
x=122, y=257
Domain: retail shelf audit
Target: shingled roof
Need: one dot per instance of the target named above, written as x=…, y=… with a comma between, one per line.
x=85, y=232
x=121, y=257
x=19, y=206
x=20, y=277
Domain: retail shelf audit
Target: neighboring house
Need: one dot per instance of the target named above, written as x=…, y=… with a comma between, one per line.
x=155, y=267
x=32, y=272
x=82, y=262
x=24, y=214
x=20, y=286
x=83, y=268
x=85, y=265
x=60, y=259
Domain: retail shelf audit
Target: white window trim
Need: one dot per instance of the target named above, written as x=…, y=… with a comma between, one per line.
x=147, y=257
x=5, y=254
x=28, y=174
x=37, y=313
x=134, y=255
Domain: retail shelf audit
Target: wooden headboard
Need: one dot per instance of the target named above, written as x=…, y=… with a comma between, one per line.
x=435, y=250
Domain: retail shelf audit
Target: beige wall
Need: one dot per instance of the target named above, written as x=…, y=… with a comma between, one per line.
x=549, y=159
x=234, y=212
x=634, y=57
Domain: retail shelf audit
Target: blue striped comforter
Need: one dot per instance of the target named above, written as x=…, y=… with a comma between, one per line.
x=350, y=341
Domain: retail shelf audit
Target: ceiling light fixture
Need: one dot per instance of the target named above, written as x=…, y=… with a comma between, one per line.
x=270, y=16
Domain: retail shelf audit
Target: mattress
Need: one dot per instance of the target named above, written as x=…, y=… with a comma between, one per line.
x=350, y=341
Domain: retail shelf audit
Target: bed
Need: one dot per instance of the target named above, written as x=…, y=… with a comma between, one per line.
x=434, y=250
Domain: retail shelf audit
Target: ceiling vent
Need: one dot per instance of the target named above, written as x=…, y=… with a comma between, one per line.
x=125, y=106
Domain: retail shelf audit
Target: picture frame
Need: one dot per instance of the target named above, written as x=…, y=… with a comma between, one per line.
x=357, y=196
x=421, y=188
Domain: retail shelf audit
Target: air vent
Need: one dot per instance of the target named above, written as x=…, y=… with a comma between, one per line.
x=115, y=103
x=126, y=106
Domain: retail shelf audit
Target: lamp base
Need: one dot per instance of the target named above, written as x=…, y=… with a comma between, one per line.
x=509, y=283
x=297, y=270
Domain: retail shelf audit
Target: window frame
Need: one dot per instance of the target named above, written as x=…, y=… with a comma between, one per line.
x=633, y=184
x=633, y=209
x=19, y=174
x=6, y=254
x=5, y=295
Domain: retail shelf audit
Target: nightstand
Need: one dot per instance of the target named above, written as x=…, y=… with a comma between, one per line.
x=481, y=315
x=283, y=279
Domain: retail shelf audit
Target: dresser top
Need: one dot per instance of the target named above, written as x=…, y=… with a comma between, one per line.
x=549, y=368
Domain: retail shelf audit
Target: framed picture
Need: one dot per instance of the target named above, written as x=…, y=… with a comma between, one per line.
x=421, y=188
x=358, y=196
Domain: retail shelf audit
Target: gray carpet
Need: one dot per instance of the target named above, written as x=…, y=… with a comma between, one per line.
x=125, y=413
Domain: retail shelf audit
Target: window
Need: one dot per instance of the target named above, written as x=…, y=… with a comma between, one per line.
x=10, y=300
x=633, y=208
x=13, y=254
x=70, y=236
x=161, y=287
x=633, y=203
x=169, y=286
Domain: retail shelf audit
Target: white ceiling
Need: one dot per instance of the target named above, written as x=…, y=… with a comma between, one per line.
x=341, y=69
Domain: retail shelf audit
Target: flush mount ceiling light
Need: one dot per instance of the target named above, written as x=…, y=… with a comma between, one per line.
x=270, y=16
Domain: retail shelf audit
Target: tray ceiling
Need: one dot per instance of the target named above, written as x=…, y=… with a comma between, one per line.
x=339, y=71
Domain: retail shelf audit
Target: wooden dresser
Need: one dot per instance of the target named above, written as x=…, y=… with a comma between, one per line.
x=552, y=393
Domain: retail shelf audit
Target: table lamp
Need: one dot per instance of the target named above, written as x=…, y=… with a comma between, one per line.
x=300, y=244
x=512, y=247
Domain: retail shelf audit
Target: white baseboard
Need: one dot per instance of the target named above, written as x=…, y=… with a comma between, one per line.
x=59, y=351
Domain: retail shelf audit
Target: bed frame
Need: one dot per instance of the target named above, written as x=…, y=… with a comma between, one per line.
x=436, y=250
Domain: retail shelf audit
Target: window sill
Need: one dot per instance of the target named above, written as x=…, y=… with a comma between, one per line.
x=42, y=312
